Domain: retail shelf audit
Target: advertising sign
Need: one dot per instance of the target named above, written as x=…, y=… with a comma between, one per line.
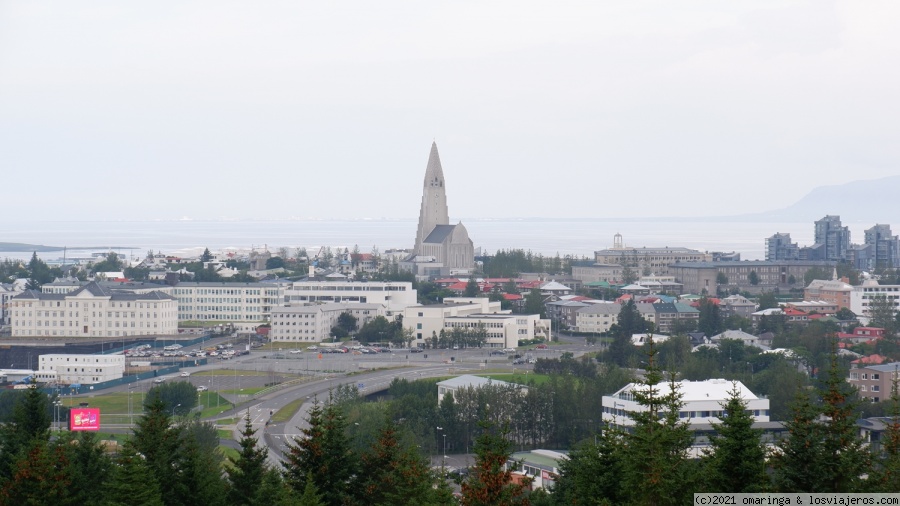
x=84, y=419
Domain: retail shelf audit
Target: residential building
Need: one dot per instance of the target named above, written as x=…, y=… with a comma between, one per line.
x=702, y=400
x=780, y=247
x=648, y=260
x=79, y=369
x=541, y=467
x=441, y=248
x=596, y=318
x=313, y=323
x=242, y=305
x=832, y=240
x=739, y=335
x=873, y=382
x=737, y=305
x=833, y=291
x=395, y=296
x=7, y=292
x=667, y=315
x=704, y=277
x=94, y=311
x=885, y=248
x=817, y=306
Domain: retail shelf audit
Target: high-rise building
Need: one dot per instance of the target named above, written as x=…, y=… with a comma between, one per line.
x=780, y=247
x=832, y=241
x=884, y=247
x=441, y=248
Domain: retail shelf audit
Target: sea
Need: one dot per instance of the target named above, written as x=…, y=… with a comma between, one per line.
x=545, y=236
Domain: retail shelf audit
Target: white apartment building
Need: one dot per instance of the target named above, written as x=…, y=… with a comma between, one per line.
x=93, y=311
x=597, y=318
x=394, y=296
x=429, y=320
x=313, y=323
x=862, y=296
x=7, y=292
x=79, y=369
x=244, y=305
x=702, y=400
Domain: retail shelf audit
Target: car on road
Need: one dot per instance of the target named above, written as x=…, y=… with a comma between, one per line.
x=159, y=380
x=416, y=350
x=541, y=346
x=519, y=361
x=296, y=351
x=201, y=388
x=498, y=352
x=185, y=374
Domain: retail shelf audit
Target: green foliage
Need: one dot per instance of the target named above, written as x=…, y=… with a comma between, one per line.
x=177, y=396
x=736, y=461
x=710, y=320
x=322, y=453
x=472, y=289
x=396, y=473
x=767, y=300
x=347, y=321
x=594, y=470
x=534, y=303
x=29, y=426
x=657, y=470
x=491, y=482
x=882, y=314
x=275, y=263
x=753, y=278
x=133, y=482
x=629, y=322
x=110, y=264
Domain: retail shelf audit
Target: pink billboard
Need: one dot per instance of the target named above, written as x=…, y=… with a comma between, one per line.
x=84, y=419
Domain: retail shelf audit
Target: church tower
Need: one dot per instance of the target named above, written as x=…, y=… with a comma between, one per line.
x=434, y=199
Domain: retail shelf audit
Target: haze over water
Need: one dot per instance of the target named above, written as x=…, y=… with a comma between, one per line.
x=545, y=236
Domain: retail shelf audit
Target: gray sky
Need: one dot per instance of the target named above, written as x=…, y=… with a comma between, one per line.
x=149, y=110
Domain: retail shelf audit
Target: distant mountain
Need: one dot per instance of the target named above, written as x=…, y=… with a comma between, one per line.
x=15, y=247
x=872, y=200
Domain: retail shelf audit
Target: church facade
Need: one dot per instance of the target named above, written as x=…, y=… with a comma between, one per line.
x=441, y=249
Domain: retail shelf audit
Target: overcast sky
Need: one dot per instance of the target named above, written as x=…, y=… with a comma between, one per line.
x=160, y=110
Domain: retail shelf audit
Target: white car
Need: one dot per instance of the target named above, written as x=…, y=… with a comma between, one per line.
x=296, y=351
x=185, y=374
x=201, y=388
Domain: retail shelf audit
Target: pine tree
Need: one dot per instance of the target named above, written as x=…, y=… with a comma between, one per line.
x=198, y=475
x=159, y=443
x=491, y=481
x=593, y=471
x=248, y=469
x=799, y=456
x=88, y=465
x=133, y=482
x=737, y=459
x=323, y=452
x=846, y=458
x=396, y=474
x=30, y=423
x=41, y=476
x=657, y=471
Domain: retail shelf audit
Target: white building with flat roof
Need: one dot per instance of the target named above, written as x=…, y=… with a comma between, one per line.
x=703, y=402
x=469, y=312
x=79, y=369
x=395, y=296
x=313, y=323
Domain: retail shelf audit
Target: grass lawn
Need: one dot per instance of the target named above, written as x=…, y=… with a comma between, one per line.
x=211, y=408
x=224, y=434
x=287, y=411
x=116, y=402
x=229, y=452
x=243, y=391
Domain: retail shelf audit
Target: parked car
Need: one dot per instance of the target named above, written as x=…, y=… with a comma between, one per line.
x=185, y=374
x=541, y=346
x=498, y=352
x=201, y=388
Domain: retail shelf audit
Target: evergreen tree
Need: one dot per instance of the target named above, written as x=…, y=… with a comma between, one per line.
x=593, y=470
x=310, y=496
x=491, y=481
x=30, y=422
x=710, y=319
x=737, y=459
x=159, y=443
x=323, y=452
x=629, y=322
x=248, y=469
x=799, y=457
x=133, y=482
x=472, y=289
x=846, y=456
x=198, y=478
x=41, y=476
x=656, y=466
x=273, y=491
x=89, y=465
x=396, y=474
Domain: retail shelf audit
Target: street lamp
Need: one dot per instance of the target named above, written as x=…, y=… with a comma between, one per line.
x=174, y=408
x=440, y=429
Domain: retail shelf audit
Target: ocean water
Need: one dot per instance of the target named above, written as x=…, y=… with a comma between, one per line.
x=545, y=236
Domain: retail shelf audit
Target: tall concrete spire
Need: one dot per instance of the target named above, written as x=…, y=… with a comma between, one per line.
x=434, y=199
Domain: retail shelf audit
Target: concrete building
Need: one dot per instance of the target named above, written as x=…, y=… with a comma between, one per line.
x=737, y=305
x=780, y=247
x=7, y=292
x=648, y=260
x=861, y=297
x=243, y=305
x=430, y=320
x=595, y=272
x=94, y=311
x=874, y=381
x=702, y=402
x=832, y=240
x=833, y=291
x=395, y=296
x=703, y=277
x=313, y=323
x=441, y=249
x=884, y=247
x=79, y=369
x=597, y=318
